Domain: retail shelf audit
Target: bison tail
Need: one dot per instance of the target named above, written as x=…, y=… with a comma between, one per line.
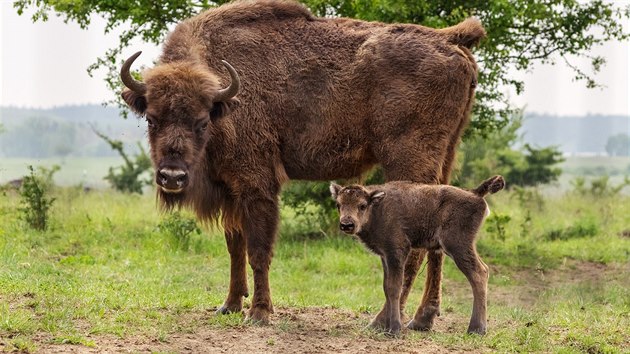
x=491, y=185
x=467, y=33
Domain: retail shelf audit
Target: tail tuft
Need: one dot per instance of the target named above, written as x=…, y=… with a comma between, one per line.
x=491, y=186
x=467, y=33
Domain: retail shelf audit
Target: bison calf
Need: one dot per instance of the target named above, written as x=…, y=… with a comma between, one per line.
x=393, y=218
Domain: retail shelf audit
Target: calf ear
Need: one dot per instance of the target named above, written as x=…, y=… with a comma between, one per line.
x=376, y=197
x=223, y=108
x=137, y=102
x=334, y=190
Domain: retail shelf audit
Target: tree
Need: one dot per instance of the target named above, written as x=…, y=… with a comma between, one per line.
x=130, y=177
x=618, y=145
x=520, y=33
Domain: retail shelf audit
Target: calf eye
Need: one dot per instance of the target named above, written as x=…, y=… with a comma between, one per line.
x=150, y=122
x=362, y=207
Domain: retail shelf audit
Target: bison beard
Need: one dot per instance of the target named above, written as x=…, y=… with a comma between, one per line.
x=319, y=99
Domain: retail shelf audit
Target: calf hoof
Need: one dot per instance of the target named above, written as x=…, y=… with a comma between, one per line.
x=423, y=321
x=258, y=316
x=378, y=324
x=480, y=330
x=394, y=330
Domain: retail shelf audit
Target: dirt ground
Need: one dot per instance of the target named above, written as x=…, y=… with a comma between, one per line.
x=328, y=330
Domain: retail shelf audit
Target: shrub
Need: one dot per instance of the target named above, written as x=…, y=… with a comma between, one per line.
x=584, y=228
x=599, y=187
x=180, y=229
x=35, y=202
x=495, y=225
x=128, y=178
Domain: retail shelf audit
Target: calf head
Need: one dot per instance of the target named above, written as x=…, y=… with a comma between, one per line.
x=183, y=104
x=354, y=204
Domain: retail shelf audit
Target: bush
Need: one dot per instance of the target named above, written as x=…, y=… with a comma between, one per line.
x=584, y=228
x=128, y=178
x=600, y=187
x=180, y=230
x=482, y=157
x=33, y=192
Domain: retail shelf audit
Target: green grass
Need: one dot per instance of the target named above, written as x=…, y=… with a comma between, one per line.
x=105, y=268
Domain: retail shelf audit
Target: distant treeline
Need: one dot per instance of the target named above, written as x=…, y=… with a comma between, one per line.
x=577, y=135
x=65, y=131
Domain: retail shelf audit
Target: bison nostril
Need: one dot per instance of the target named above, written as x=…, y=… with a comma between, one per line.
x=172, y=178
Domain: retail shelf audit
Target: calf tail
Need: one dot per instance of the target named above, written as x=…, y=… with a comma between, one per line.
x=491, y=185
x=467, y=33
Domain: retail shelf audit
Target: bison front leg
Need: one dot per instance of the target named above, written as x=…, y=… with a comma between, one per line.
x=260, y=226
x=237, y=247
x=430, y=306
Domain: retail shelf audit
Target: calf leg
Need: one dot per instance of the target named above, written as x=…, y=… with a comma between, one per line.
x=412, y=266
x=468, y=261
x=430, y=306
x=381, y=320
x=392, y=285
x=237, y=247
x=260, y=227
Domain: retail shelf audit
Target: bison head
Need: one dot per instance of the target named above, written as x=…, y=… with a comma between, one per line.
x=354, y=204
x=183, y=104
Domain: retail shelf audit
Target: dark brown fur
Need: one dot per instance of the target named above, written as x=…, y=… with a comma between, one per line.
x=394, y=218
x=320, y=99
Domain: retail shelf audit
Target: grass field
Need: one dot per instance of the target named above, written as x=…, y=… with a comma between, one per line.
x=110, y=276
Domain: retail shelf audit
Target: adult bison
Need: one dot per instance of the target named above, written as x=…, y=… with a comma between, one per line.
x=320, y=99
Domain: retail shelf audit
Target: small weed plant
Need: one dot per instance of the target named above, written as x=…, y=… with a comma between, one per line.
x=180, y=230
x=35, y=199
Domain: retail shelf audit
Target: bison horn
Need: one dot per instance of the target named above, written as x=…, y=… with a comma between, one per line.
x=231, y=91
x=128, y=80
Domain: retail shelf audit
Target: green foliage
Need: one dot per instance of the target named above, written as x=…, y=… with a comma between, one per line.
x=180, y=229
x=618, y=145
x=532, y=168
x=35, y=198
x=313, y=205
x=586, y=227
x=600, y=187
x=495, y=225
x=481, y=157
x=520, y=33
x=130, y=177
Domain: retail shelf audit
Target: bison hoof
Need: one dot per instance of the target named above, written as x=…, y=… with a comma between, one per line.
x=420, y=325
x=226, y=309
x=258, y=316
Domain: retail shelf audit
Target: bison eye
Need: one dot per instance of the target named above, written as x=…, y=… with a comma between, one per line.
x=362, y=207
x=202, y=126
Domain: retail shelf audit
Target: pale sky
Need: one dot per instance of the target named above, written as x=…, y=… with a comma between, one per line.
x=44, y=64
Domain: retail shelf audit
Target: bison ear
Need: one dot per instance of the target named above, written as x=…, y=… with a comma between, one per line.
x=376, y=197
x=223, y=108
x=334, y=190
x=137, y=102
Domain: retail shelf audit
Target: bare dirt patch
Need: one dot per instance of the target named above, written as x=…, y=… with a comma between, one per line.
x=305, y=330
x=330, y=330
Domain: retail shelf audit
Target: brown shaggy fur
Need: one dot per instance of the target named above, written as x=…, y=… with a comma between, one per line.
x=320, y=99
x=393, y=218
